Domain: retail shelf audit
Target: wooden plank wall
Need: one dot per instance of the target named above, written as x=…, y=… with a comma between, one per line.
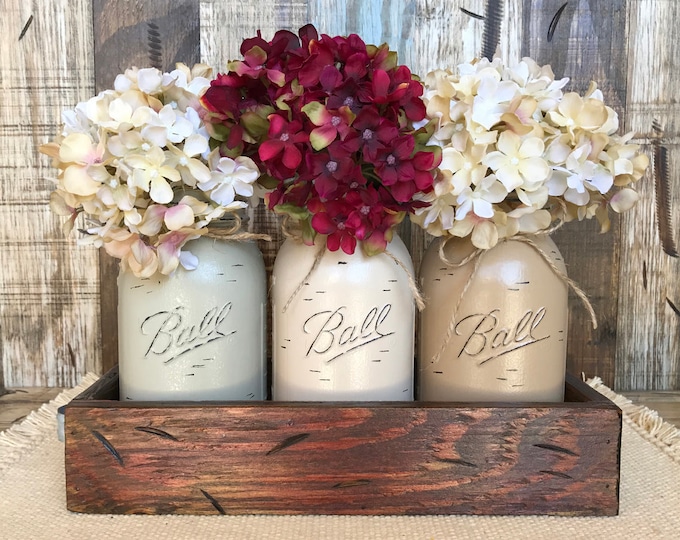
x=50, y=290
x=49, y=287
x=648, y=345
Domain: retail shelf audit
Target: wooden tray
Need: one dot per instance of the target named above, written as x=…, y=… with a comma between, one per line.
x=342, y=458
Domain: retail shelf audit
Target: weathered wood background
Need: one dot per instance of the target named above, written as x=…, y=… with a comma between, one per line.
x=57, y=300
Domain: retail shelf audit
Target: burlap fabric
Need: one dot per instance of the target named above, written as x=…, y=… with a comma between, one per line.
x=33, y=504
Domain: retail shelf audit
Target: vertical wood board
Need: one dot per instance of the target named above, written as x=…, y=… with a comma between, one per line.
x=587, y=43
x=49, y=297
x=648, y=346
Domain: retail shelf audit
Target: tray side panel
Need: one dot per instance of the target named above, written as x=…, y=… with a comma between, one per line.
x=343, y=460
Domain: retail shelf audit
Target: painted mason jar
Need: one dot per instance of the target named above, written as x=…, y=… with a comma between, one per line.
x=199, y=334
x=345, y=331
x=508, y=340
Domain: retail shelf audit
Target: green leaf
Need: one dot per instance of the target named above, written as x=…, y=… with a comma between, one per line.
x=256, y=126
x=267, y=181
x=308, y=233
x=293, y=211
x=423, y=135
x=231, y=152
x=219, y=132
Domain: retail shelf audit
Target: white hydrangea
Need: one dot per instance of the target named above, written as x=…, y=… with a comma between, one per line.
x=518, y=153
x=136, y=161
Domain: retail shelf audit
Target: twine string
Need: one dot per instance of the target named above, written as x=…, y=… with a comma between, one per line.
x=412, y=285
x=238, y=237
x=477, y=255
x=321, y=249
x=232, y=234
x=290, y=229
x=566, y=279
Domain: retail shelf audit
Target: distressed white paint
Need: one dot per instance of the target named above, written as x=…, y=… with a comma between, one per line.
x=49, y=294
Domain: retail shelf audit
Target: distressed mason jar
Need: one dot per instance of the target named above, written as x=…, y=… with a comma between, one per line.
x=509, y=338
x=348, y=332
x=198, y=334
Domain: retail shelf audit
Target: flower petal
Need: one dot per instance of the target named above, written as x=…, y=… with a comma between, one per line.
x=270, y=148
x=484, y=235
x=509, y=143
x=149, y=80
x=322, y=223
x=188, y=260
x=179, y=216
x=531, y=147
x=199, y=170
x=482, y=208
x=195, y=144
x=223, y=194
x=291, y=156
x=78, y=181
x=322, y=136
x=75, y=148
x=624, y=200
x=160, y=192
x=153, y=220
x=602, y=180
x=534, y=169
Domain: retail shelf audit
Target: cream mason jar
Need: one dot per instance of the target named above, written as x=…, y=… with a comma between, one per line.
x=199, y=334
x=348, y=333
x=509, y=340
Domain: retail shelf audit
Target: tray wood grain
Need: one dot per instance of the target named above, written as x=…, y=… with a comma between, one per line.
x=342, y=458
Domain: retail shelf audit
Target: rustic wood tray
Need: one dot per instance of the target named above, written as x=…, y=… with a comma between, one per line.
x=342, y=458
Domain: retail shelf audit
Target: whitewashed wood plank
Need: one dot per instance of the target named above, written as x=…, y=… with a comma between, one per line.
x=376, y=21
x=512, y=32
x=224, y=25
x=49, y=303
x=648, y=352
x=444, y=36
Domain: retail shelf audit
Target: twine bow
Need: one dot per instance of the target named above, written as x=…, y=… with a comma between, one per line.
x=476, y=257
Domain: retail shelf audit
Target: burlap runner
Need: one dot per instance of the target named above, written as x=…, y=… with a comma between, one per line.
x=32, y=498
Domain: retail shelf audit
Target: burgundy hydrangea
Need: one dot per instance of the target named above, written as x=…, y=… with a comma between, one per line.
x=331, y=121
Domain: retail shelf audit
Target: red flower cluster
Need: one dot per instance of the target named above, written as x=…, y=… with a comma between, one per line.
x=330, y=120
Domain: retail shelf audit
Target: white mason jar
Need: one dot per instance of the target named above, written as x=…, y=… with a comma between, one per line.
x=348, y=333
x=509, y=342
x=199, y=334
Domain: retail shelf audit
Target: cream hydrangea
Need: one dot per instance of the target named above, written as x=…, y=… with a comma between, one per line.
x=136, y=161
x=518, y=153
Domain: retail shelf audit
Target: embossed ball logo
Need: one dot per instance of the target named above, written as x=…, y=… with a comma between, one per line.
x=336, y=333
x=489, y=338
x=175, y=333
